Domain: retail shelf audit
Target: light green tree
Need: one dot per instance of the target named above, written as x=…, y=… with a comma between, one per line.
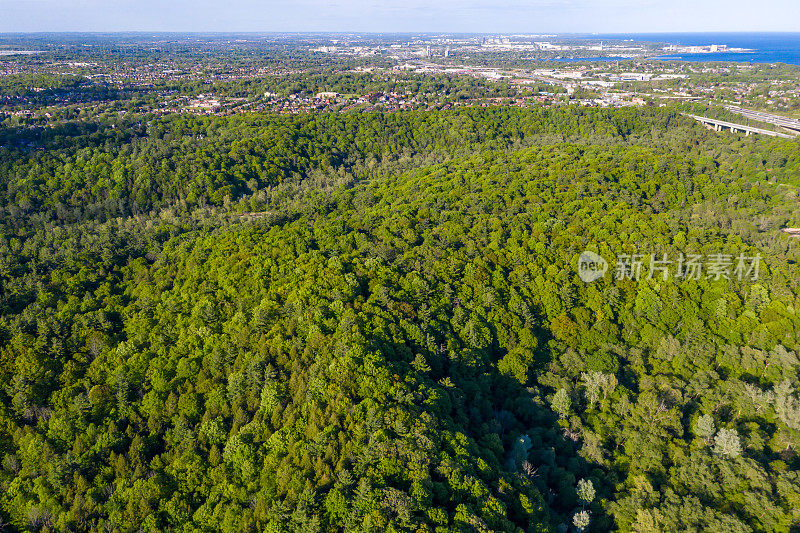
x=704, y=427
x=561, y=402
x=727, y=443
x=581, y=520
x=585, y=491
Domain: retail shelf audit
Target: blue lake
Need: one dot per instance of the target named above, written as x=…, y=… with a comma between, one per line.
x=767, y=47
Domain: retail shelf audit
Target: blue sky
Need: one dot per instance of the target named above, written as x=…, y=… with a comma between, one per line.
x=510, y=16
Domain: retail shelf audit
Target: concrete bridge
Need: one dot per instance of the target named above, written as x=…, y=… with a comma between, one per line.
x=719, y=125
x=790, y=124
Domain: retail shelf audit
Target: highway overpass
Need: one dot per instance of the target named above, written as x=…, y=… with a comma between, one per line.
x=788, y=123
x=719, y=125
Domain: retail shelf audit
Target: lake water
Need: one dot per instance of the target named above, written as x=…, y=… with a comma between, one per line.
x=767, y=47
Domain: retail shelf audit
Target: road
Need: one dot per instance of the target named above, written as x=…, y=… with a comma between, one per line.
x=719, y=124
x=788, y=123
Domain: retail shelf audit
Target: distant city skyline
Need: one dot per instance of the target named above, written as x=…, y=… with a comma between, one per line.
x=515, y=16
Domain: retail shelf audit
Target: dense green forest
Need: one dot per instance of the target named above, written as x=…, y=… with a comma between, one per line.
x=374, y=322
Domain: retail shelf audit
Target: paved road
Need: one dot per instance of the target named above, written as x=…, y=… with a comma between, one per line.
x=788, y=123
x=739, y=127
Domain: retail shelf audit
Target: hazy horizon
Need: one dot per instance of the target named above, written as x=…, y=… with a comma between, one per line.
x=431, y=33
x=411, y=16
